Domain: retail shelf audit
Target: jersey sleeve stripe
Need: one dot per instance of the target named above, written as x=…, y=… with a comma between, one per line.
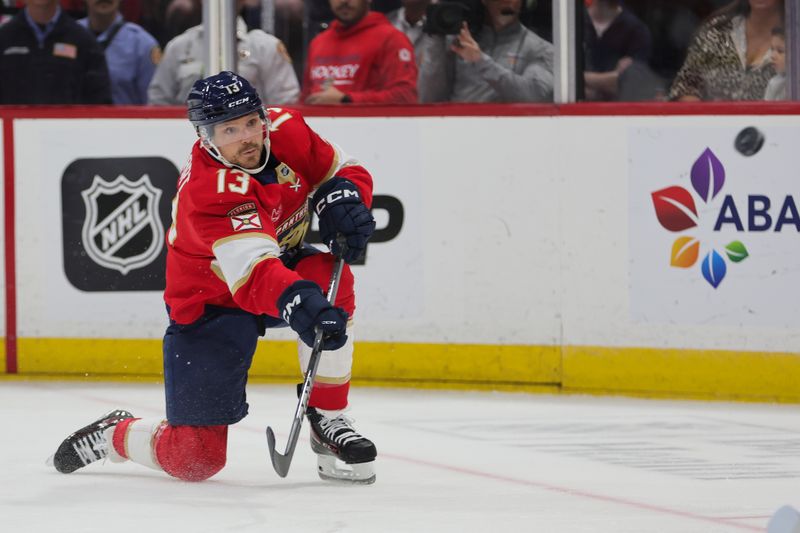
x=340, y=160
x=332, y=381
x=238, y=255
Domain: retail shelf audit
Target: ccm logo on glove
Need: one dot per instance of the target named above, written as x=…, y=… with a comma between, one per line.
x=287, y=311
x=342, y=214
x=334, y=197
x=305, y=309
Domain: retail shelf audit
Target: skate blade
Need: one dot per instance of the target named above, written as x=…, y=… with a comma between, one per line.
x=331, y=469
x=51, y=460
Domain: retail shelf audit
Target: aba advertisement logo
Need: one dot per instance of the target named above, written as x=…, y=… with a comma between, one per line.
x=677, y=212
x=114, y=212
x=683, y=211
x=713, y=223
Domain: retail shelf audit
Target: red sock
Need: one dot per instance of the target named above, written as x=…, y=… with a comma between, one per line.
x=329, y=397
x=118, y=441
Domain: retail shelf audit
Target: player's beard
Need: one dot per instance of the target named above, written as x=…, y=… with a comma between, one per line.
x=251, y=159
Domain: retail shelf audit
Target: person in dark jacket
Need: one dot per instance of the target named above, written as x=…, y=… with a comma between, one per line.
x=616, y=42
x=46, y=57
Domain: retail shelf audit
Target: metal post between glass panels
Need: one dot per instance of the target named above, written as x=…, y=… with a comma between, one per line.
x=219, y=30
x=793, y=49
x=564, y=42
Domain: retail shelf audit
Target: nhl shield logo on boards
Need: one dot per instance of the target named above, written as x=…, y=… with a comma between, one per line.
x=114, y=211
x=122, y=230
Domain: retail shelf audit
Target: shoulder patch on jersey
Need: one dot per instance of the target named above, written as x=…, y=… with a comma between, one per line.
x=286, y=175
x=404, y=54
x=244, y=208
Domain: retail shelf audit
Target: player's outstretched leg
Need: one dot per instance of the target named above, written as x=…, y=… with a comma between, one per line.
x=333, y=438
x=88, y=444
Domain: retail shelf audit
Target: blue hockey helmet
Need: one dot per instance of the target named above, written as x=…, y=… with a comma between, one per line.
x=220, y=98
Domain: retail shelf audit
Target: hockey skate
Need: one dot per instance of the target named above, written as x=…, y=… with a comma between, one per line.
x=342, y=453
x=88, y=444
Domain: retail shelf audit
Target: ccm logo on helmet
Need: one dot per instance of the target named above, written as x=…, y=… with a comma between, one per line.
x=239, y=102
x=333, y=197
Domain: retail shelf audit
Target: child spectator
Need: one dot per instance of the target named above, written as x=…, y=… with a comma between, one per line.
x=776, y=88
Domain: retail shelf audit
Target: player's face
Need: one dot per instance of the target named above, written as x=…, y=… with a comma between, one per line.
x=241, y=140
x=348, y=12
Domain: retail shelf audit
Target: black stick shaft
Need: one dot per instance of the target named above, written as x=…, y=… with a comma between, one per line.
x=281, y=462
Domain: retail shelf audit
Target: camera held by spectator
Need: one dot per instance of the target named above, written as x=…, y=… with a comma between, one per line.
x=501, y=62
x=447, y=18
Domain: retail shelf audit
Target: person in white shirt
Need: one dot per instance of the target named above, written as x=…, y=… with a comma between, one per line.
x=262, y=59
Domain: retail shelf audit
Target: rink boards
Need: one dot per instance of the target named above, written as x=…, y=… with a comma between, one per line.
x=646, y=254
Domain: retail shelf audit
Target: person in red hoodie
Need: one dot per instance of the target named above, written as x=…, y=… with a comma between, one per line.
x=360, y=58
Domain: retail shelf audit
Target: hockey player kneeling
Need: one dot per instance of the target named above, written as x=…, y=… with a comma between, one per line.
x=237, y=264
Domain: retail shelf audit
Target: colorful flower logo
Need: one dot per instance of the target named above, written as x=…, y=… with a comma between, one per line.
x=677, y=212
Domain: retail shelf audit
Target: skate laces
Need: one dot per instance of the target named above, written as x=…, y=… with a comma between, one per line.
x=91, y=448
x=339, y=429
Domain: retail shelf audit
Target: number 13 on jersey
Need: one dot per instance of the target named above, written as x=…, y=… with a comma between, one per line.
x=233, y=180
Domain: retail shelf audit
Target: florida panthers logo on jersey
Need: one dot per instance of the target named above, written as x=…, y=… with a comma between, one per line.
x=122, y=230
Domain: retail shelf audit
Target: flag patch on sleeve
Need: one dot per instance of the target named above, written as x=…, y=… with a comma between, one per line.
x=245, y=221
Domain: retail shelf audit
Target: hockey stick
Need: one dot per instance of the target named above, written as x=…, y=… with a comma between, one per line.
x=282, y=461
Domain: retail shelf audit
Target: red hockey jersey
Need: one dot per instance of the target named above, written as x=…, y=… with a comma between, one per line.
x=230, y=228
x=371, y=61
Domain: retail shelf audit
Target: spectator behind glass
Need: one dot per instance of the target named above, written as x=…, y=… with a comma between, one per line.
x=360, y=58
x=409, y=19
x=507, y=62
x=48, y=58
x=729, y=58
x=320, y=15
x=166, y=19
x=616, y=42
x=776, y=88
x=262, y=59
x=131, y=52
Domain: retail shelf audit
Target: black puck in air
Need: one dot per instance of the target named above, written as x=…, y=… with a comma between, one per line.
x=749, y=141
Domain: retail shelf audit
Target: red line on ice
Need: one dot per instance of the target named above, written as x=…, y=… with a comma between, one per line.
x=574, y=492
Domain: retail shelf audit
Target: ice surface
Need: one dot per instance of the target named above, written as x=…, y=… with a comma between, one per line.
x=448, y=462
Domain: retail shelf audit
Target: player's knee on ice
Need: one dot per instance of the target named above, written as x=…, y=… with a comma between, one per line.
x=192, y=453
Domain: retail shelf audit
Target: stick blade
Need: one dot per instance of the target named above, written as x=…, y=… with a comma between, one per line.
x=279, y=462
